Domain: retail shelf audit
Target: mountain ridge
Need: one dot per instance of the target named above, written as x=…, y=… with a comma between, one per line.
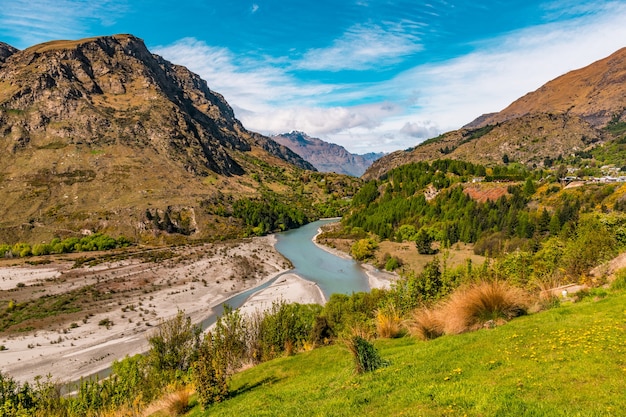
x=326, y=156
x=100, y=134
x=566, y=115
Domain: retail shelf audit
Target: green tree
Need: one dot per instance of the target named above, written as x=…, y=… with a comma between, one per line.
x=529, y=187
x=210, y=371
x=363, y=249
x=424, y=241
x=592, y=244
x=174, y=345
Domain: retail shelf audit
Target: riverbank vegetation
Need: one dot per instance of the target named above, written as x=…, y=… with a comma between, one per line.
x=423, y=346
x=433, y=306
x=93, y=242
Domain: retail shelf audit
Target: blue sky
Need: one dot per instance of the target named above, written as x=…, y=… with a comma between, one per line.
x=371, y=75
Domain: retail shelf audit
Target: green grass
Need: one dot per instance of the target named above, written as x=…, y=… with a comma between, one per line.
x=569, y=361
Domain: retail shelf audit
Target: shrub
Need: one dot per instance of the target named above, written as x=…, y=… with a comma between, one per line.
x=210, y=372
x=174, y=345
x=106, y=323
x=230, y=337
x=321, y=333
x=178, y=403
x=392, y=263
x=285, y=328
x=363, y=249
x=388, y=322
x=471, y=307
x=425, y=324
x=365, y=355
x=619, y=283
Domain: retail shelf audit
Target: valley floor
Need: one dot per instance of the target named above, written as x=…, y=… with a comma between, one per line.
x=139, y=294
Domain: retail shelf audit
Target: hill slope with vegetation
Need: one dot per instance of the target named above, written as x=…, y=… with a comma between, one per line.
x=572, y=114
x=100, y=135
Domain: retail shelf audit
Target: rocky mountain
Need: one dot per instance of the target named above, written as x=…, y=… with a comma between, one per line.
x=99, y=133
x=6, y=51
x=325, y=156
x=567, y=115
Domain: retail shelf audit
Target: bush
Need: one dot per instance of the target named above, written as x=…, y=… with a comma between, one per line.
x=425, y=324
x=392, y=263
x=210, y=372
x=366, y=357
x=363, y=249
x=619, y=283
x=285, y=328
x=174, y=346
x=471, y=307
x=388, y=322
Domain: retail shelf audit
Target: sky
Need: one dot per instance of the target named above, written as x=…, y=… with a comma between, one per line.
x=370, y=75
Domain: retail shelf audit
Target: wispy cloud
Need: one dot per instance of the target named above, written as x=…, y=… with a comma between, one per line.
x=321, y=120
x=415, y=105
x=35, y=21
x=268, y=99
x=501, y=70
x=363, y=47
x=250, y=83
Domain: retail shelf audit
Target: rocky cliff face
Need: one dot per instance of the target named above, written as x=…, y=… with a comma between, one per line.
x=99, y=133
x=562, y=117
x=327, y=157
x=113, y=90
x=6, y=51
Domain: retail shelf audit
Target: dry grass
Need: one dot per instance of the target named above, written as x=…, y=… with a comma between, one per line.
x=457, y=256
x=547, y=297
x=388, y=322
x=177, y=403
x=426, y=324
x=472, y=307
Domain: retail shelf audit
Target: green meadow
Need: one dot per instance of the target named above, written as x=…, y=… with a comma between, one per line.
x=567, y=361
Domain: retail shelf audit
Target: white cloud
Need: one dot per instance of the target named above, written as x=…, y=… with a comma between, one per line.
x=246, y=83
x=421, y=130
x=269, y=100
x=35, y=21
x=362, y=48
x=415, y=105
x=319, y=121
x=254, y=8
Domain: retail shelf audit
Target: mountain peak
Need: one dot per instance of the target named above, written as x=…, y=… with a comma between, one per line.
x=325, y=156
x=102, y=125
x=564, y=116
x=6, y=51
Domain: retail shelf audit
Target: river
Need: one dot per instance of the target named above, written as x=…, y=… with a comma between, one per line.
x=330, y=272
x=333, y=274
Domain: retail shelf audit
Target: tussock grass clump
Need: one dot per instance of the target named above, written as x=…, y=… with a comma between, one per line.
x=388, y=322
x=366, y=357
x=178, y=402
x=471, y=307
x=425, y=324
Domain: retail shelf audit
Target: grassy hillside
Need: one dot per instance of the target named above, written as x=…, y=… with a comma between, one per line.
x=568, y=361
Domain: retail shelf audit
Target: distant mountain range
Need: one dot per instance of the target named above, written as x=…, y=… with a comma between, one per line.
x=566, y=115
x=325, y=156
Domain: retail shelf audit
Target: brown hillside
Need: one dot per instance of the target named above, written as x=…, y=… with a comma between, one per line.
x=596, y=93
x=564, y=116
x=99, y=134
